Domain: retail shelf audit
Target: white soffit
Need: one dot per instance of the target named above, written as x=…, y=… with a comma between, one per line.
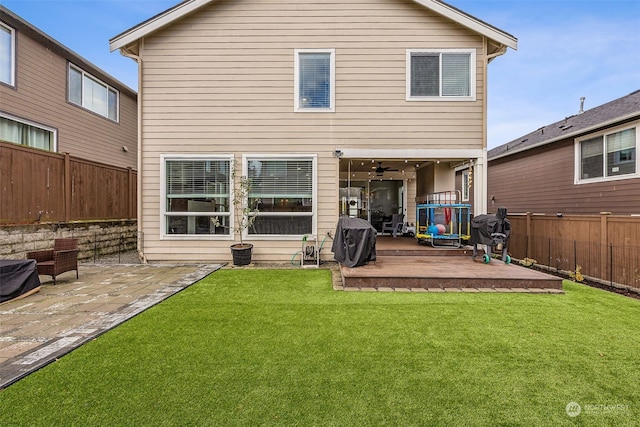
x=470, y=22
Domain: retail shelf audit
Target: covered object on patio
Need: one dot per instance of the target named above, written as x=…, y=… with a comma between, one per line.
x=355, y=242
x=18, y=279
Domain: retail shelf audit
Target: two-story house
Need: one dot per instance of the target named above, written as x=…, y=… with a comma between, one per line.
x=52, y=99
x=359, y=108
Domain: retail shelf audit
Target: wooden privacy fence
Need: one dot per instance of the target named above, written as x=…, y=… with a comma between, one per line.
x=604, y=247
x=39, y=186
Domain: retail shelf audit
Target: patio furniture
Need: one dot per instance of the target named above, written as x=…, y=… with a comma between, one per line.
x=394, y=226
x=63, y=257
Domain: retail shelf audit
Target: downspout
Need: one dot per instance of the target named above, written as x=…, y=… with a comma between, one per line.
x=140, y=240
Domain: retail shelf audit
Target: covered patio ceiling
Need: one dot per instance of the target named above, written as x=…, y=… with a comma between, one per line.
x=388, y=168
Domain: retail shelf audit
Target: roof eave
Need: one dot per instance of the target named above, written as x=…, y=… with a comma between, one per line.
x=188, y=6
x=155, y=23
x=569, y=135
x=471, y=22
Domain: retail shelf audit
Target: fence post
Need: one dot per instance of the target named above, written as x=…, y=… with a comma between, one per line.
x=611, y=264
x=529, y=249
x=131, y=194
x=604, y=241
x=67, y=187
x=575, y=256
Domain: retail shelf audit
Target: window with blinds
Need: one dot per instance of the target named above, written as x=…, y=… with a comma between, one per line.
x=621, y=153
x=609, y=155
x=314, y=80
x=282, y=189
x=445, y=74
x=197, y=196
x=591, y=158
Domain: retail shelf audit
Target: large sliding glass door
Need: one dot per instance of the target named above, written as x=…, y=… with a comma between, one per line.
x=375, y=200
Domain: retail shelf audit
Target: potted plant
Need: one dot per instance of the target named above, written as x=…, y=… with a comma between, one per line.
x=244, y=217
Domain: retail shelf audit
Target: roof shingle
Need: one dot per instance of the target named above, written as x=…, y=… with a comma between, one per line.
x=619, y=109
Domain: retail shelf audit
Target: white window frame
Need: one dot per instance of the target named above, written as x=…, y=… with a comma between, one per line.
x=314, y=208
x=440, y=52
x=85, y=75
x=578, y=159
x=45, y=128
x=332, y=78
x=163, y=198
x=12, y=76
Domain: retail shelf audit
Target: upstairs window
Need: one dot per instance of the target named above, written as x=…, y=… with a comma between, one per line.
x=7, y=54
x=440, y=75
x=92, y=94
x=315, y=80
x=608, y=156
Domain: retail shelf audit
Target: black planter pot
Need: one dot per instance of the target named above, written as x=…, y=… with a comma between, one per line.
x=241, y=253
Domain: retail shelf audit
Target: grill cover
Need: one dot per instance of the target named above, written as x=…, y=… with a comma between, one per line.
x=491, y=230
x=354, y=243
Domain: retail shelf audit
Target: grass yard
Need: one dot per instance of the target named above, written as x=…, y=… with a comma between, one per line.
x=280, y=347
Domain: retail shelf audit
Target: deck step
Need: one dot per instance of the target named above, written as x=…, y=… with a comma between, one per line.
x=444, y=271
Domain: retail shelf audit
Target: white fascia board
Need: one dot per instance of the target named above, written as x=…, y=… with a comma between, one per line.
x=155, y=23
x=473, y=24
x=412, y=153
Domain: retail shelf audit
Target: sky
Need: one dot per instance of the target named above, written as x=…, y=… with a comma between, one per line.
x=566, y=50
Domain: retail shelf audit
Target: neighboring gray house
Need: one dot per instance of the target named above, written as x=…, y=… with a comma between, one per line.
x=583, y=164
x=53, y=99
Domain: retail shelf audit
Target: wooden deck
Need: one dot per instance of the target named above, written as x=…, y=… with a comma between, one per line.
x=403, y=264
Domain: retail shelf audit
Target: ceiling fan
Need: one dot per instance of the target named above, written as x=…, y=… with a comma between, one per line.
x=380, y=170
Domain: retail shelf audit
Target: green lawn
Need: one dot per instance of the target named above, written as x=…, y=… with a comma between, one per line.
x=280, y=347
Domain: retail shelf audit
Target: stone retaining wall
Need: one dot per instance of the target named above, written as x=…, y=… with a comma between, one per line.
x=95, y=238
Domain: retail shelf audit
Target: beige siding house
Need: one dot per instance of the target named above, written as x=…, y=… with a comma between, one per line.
x=53, y=99
x=357, y=108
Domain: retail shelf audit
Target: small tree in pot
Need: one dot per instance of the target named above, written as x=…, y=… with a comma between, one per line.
x=244, y=216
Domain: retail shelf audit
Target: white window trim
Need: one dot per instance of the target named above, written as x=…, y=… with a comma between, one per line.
x=578, y=160
x=332, y=78
x=472, y=76
x=36, y=125
x=12, y=77
x=163, y=198
x=314, y=194
x=92, y=77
